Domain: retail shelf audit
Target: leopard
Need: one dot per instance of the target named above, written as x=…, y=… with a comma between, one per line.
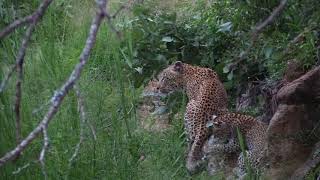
x=206, y=97
x=229, y=126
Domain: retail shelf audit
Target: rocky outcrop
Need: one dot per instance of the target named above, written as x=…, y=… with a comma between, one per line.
x=152, y=112
x=294, y=128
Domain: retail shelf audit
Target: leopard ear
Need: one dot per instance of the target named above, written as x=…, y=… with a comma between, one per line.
x=178, y=66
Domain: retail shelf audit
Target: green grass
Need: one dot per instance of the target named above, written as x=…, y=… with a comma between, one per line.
x=110, y=102
x=122, y=149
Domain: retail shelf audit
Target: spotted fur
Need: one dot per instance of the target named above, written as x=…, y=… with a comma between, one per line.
x=207, y=96
x=253, y=131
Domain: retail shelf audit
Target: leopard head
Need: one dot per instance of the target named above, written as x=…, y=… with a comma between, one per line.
x=171, y=78
x=218, y=127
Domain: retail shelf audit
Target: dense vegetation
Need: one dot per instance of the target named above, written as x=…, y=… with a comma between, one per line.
x=155, y=34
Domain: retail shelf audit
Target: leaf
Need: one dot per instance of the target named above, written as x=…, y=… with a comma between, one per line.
x=226, y=69
x=160, y=57
x=225, y=27
x=268, y=52
x=128, y=60
x=149, y=19
x=167, y=39
x=230, y=76
x=168, y=22
x=139, y=69
x=187, y=26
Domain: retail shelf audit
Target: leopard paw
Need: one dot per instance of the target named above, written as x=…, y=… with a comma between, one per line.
x=194, y=166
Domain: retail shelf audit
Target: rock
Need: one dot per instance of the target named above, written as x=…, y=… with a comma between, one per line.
x=152, y=111
x=293, y=128
x=312, y=163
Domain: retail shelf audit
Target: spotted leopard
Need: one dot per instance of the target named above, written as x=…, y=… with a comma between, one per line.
x=254, y=132
x=206, y=97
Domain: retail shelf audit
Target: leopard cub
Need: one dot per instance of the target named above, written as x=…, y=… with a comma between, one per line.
x=254, y=132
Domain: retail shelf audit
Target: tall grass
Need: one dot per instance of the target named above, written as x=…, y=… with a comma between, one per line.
x=122, y=150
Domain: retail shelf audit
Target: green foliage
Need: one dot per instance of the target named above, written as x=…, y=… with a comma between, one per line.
x=216, y=35
x=207, y=35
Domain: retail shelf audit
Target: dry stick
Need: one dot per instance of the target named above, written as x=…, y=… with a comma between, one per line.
x=17, y=23
x=20, y=60
x=66, y=87
x=258, y=29
x=20, y=169
x=93, y=131
x=123, y=6
x=19, y=68
x=82, y=123
x=33, y=19
x=110, y=17
x=28, y=19
x=44, y=149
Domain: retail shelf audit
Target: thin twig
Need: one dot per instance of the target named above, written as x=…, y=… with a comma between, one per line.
x=19, y=68
x=20, y=60
x=258, y=29
x=93, y=131
x=33, y=19
x=278, y=10
x=14, y=25
x=122, y=7
x=20, y=169
x=66, y=87
x=43, y=151
x=82, y=113
x=110, y=17
x=28, y=19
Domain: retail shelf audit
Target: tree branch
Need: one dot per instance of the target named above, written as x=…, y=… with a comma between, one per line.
x=28, y=19
x=258, y=29
x=59, y=95
x=82, y=123
x=278, y=10
x=20, y=60
x=17, y=23
x=19, y=68
x=43, y=151
x=33, y=19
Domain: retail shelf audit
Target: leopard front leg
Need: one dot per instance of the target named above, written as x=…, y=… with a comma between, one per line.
x=194, y=159
x=197, y=135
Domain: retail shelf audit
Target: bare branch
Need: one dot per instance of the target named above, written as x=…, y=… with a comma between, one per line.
x=111, y=26
x=20, y=169
x=258, y=29
x=20, y=60
x=278, y=10
x=66, y=87
x=82, y=123
x=33, y=19
x=122, y=7
x=93, y=131
x=19, y=68
x=43, y=151
x=110, y=17
x=17, y=23
x=28, y=19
